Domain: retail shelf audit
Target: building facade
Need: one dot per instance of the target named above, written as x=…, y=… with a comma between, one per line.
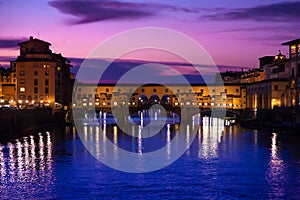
x=7, y=87
x=42, y=77
x=231, y=96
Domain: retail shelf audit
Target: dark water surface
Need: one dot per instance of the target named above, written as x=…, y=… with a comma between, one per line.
x=234, y=164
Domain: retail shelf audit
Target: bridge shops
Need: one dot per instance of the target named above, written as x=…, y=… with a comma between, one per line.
x=105, y=96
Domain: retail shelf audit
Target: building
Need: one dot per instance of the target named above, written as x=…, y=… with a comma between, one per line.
x=7, y=87
x=293, y=67
x=249, y=76
x=231, y=96
x=42, y=77
x=267, y=94
x=276, y=68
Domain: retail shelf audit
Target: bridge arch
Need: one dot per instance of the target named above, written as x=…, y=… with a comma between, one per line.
x=166, y=100
x=143, y=100
x=154, y=99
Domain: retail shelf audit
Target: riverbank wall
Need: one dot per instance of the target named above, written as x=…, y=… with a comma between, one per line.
x=280, y=118
x=15, y=123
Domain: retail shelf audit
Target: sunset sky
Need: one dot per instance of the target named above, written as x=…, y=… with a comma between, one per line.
x=234, y=32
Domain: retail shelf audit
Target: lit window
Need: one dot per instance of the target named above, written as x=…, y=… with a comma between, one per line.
x=293, y=49
x=58, y=68
x=22, y=89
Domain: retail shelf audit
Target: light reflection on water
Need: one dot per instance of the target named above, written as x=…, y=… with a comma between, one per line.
x=223, y=162
x=26, y=166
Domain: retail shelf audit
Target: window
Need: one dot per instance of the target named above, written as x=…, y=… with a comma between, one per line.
x=42, y=97
x=213, y=90
x=237, y=90
x=46, y=73
x=46, y=82
x=36, y=90
x=178, y=90
x=107, y=90
x=46, y=90
x=166, y=90
x=143, y=90
x=22, y=89
x=154, y=90
x=201, y=91
x=22, y=97
x=35, y=82
x=22, y=73
x=293, y=49
x=225, y=90
x=22, y=81
x=35, y=97
x=275, y=87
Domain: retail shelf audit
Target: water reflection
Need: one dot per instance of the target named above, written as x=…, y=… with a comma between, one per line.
x=276, y=174
x=212, y=130
x=210, y=134
x=245, y=163
x=26, y=162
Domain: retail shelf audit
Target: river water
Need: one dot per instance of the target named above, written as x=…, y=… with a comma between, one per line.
x=231, y=164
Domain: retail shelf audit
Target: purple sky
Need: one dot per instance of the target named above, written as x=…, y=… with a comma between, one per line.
x=234, y=32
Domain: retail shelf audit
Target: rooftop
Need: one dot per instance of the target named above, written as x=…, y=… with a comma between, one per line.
x=34, y=39
x=296, y=41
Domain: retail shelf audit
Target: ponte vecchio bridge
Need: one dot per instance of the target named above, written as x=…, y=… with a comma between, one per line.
x=104, y=97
